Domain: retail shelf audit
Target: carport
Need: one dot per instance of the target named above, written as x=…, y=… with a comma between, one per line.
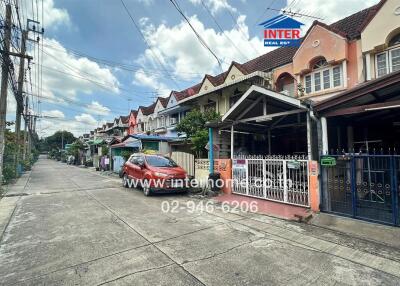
x=265, y=122
x=361, y=138
x=271, y=141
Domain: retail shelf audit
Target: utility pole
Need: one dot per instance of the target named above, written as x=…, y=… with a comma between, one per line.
x=30, y=120
x=29, y=137
x=25, y=127
x=4, y=86
x=19, y=111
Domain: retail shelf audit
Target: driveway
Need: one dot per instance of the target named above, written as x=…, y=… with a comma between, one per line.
x=64, y=225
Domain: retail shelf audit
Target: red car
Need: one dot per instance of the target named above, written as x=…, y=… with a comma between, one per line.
x=153, y=173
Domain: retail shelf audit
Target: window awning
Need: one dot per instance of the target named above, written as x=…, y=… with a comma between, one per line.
x=96, y=142
x=128, y=144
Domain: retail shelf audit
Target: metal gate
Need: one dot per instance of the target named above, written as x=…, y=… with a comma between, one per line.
x=362, y=186
x=275, y=178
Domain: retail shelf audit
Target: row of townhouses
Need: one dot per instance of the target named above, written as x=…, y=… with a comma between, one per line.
x=331, y=59
x=161, y=118
x=339, y=90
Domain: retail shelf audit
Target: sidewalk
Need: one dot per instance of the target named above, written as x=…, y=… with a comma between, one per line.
x=388, y=235
x=270, y=208
x=373, y=232
x=18, y=187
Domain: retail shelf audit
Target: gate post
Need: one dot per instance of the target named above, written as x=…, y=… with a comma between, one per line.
x=353, y=186
x=395, y=202
x=285, y=191
x=211, y=151
x=247, y=177
x=264, y=162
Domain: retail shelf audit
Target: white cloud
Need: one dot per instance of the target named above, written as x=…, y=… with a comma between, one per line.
x=53, y=113
x=53, y=17
x=150, y=80
x=96, y=108
x=215, y=5
x=11, y=106
x=86, y=119
x=179, y=49
x=64, y=74
x=329, y=11
x=83, y=123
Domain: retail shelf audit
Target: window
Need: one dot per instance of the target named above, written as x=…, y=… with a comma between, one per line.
x=381, y=64
x=389, y=60
x=323, y=79
x=160, y=161
x=212, y=105
x=337, y=78
x=395, y=60
x=320, y=64
x=233, y=99
x=394, y=41
x=327, y=79
x=308, y=84
x=317, y=81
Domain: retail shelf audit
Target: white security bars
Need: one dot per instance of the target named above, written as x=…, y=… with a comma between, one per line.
x=276, y=178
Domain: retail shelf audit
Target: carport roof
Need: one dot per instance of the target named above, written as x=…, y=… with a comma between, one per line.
x=377, y=93
x=252, y=94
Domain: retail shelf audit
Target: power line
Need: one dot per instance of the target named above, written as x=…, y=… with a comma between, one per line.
x=123, y=66
x=263, y=13
x=101, y=85
x=201, y=40
x=222, y=31
x=292, y=4
x=80, y=71
x=155, y=56
x=244, y=36
x=104, y=85
x=80, y=104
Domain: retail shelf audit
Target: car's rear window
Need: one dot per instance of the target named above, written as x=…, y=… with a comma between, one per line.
x=160, y=161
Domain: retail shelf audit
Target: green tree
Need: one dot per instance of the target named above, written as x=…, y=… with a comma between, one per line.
x=75, y=147
x=10, y=154
x=55, y=141
x=10, y=151
x=193, y=125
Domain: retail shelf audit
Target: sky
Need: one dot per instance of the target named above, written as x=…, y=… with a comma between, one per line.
x=97, y=66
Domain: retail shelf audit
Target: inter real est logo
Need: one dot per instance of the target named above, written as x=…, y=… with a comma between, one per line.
x=282, y=31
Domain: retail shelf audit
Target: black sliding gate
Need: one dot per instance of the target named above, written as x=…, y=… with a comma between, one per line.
x=362, y=186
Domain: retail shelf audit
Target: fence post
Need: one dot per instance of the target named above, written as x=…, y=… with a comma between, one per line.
x=395, y=202
x=285, y=191
x=247, y=177
x=264, y=162
x=353, y=186
x=211, y=151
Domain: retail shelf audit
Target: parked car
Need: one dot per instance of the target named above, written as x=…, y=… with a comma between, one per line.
x=154, y=174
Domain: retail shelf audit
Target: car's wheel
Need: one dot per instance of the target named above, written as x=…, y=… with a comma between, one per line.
x=125, y=181
x=146, y=189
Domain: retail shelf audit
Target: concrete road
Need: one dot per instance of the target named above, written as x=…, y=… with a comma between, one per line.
x=64, y=225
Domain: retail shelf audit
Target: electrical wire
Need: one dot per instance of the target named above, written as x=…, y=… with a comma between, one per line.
x=123, y=66
x=243, y=34
x=222, y=30
x=201, y=40
x=155, y=56
x=80, y=72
